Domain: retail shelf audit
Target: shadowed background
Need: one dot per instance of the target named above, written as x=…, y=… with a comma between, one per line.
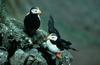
x=76, y=20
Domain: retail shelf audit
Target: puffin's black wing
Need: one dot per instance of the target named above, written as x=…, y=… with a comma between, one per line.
x=51, y=27
x=67, y=43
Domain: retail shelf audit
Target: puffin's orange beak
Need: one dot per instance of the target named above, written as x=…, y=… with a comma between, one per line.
x=40, y=13
x=59, y=55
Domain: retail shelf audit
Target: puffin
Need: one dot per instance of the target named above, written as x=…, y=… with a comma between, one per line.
x=55, y=37
x=32, y=21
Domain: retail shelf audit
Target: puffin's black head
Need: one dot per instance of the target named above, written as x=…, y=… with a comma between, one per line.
x=32, y=21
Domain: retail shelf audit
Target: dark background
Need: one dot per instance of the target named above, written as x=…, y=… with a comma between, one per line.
x=76, y=20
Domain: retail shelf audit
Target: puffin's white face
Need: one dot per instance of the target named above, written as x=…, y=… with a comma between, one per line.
x=36, y=11
x=52, y=36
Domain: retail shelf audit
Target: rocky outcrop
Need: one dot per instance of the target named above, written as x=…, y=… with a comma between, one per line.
x=19, y=47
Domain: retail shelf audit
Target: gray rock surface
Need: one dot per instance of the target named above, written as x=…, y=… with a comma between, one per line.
x=3, y=55
x=18, y=44
x=33, y=57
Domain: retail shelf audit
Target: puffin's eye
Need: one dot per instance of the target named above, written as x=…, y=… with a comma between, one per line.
x=35, y=11
x=53, y=37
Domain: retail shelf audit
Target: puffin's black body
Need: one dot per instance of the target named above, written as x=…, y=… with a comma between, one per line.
x=61, y=43
x=31, y=23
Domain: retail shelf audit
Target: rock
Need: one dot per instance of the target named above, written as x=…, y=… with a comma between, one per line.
x=11, y=33
x=3, y=55
x=32, y=57
x=19, y=46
